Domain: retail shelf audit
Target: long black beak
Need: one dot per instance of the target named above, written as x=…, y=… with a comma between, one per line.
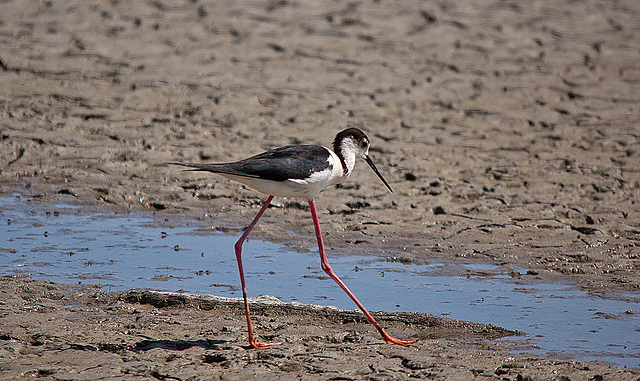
x=373, y=166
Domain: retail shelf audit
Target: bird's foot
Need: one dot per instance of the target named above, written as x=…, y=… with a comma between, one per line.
x=259, y=345
x=389, y=339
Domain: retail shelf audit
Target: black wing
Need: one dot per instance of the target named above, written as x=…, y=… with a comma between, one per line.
x=280, y=164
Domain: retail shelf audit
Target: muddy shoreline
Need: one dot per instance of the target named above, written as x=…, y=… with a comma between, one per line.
x=508, y=131
x=71, y=332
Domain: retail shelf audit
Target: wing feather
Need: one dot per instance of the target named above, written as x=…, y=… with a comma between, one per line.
x=294, y=162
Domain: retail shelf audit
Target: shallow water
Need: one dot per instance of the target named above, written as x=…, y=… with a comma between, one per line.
x=124, y=251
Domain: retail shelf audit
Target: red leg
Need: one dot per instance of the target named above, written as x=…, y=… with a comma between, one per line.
x=327, y=269
x=238, y=248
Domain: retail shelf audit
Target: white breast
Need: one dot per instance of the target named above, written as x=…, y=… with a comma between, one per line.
x=319, y=181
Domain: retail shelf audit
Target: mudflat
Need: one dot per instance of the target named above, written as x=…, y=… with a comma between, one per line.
x=508, y=131
x=65, y=332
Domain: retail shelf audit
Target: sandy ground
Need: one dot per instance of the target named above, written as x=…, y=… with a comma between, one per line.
x=508, y=130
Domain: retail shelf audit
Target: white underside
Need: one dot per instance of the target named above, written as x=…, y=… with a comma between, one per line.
x=305, y=188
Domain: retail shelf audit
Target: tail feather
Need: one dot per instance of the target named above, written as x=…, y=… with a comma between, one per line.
x=219, y=168
x=196, y=167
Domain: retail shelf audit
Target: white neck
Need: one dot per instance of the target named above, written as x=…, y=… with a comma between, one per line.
x=348, y=152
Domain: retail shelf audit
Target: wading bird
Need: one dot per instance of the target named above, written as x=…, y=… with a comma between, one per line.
x=300, y=171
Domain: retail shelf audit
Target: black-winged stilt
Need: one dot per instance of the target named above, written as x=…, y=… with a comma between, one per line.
x=300, y=171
